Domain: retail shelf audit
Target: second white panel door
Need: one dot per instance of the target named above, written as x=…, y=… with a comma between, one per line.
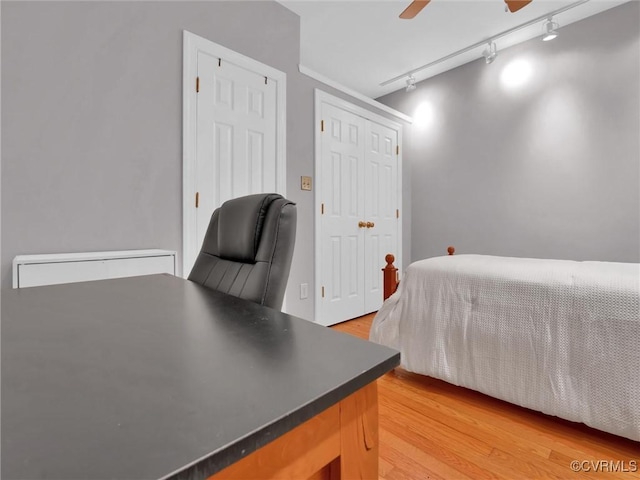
x=381, y=193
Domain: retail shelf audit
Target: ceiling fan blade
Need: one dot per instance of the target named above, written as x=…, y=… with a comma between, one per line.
x=414, y=8
x=515, y=5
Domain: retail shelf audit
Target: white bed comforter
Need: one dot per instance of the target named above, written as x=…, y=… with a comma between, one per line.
x=557, y=336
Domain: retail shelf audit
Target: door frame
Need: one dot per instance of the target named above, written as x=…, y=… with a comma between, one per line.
x=191, y=45
x=320, y=98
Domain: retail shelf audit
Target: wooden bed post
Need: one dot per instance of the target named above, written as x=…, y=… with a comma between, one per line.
x=390, y=274
x=390, y=277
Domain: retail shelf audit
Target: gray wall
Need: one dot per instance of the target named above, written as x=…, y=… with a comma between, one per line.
x=549, y=169
x=92, y=123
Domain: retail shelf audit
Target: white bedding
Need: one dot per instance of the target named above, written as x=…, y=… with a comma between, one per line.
x=556, y=336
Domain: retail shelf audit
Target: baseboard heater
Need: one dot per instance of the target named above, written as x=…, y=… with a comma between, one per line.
x=51, y=269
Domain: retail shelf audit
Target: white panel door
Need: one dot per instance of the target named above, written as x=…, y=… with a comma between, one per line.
x=236, y=135
x=342, y=240
x=381, y=193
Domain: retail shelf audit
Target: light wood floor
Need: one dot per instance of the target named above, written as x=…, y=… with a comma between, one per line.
x=430, y=429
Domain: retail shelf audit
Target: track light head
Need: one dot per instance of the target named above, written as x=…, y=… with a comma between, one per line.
x=490, y=53
x=550, y=30
x=411, y=83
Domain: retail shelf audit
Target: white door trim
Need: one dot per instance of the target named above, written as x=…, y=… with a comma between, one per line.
x=324, y=97
x=352, y=93
x=191, y=45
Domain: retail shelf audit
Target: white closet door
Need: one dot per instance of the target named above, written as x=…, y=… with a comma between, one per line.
x=342, y=240
x=357, y=165
x=236, y=135
x=381, y=193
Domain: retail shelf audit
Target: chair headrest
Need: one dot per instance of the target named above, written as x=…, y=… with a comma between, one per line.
x=240, y=225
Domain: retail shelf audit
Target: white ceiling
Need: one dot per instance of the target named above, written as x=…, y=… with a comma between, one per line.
x=361, y=44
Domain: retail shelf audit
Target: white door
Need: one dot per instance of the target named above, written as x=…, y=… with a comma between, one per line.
x=342, y=239
x=381, y=193
x=236, y=136
x=357, y=169
x=234, y=141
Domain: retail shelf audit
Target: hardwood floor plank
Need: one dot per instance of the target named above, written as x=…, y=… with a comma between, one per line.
x=408, y=458
x=535, y=427
x=467, y=425
x=399, y=474
x=439, y=459
x=432, y=429
x=528, y=468
x=591, y=439
x=412, y=415
x=483, y=465
x=384, y=467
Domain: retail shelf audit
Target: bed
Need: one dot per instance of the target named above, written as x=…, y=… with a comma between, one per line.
x=561, y=337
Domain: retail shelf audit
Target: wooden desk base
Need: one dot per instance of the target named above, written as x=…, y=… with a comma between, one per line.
x=339, y=443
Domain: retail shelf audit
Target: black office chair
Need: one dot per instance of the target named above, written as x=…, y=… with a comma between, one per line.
x=248, y=247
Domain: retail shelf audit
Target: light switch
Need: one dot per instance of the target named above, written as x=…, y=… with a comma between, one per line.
x=304, y=290
x=305, y=183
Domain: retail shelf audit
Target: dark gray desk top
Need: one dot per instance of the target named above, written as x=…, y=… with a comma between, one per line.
x=156, y=377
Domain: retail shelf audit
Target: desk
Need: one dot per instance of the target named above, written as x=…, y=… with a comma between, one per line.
x=157, y=377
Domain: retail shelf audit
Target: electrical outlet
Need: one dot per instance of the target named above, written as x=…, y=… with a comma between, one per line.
x=305, y=183
x=304, y=290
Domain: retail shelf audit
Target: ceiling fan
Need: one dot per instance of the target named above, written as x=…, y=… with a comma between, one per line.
x=414, y=8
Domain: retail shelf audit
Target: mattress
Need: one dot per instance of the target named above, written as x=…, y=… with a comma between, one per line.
x=560, y=337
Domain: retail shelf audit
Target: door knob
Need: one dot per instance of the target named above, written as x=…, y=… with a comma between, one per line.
x=362, y=224
x=370, y=224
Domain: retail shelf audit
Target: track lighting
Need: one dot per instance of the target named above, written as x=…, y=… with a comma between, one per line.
x=550, y=29
x=490, y=53
x=411, y=83
x=550, y=32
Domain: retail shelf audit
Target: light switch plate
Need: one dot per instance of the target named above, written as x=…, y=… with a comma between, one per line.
x=305, y=183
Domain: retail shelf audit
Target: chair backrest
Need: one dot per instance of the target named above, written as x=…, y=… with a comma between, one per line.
x=248, y=247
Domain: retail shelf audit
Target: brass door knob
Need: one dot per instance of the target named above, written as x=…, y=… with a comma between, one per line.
x=370, y=224
x=361, y=224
